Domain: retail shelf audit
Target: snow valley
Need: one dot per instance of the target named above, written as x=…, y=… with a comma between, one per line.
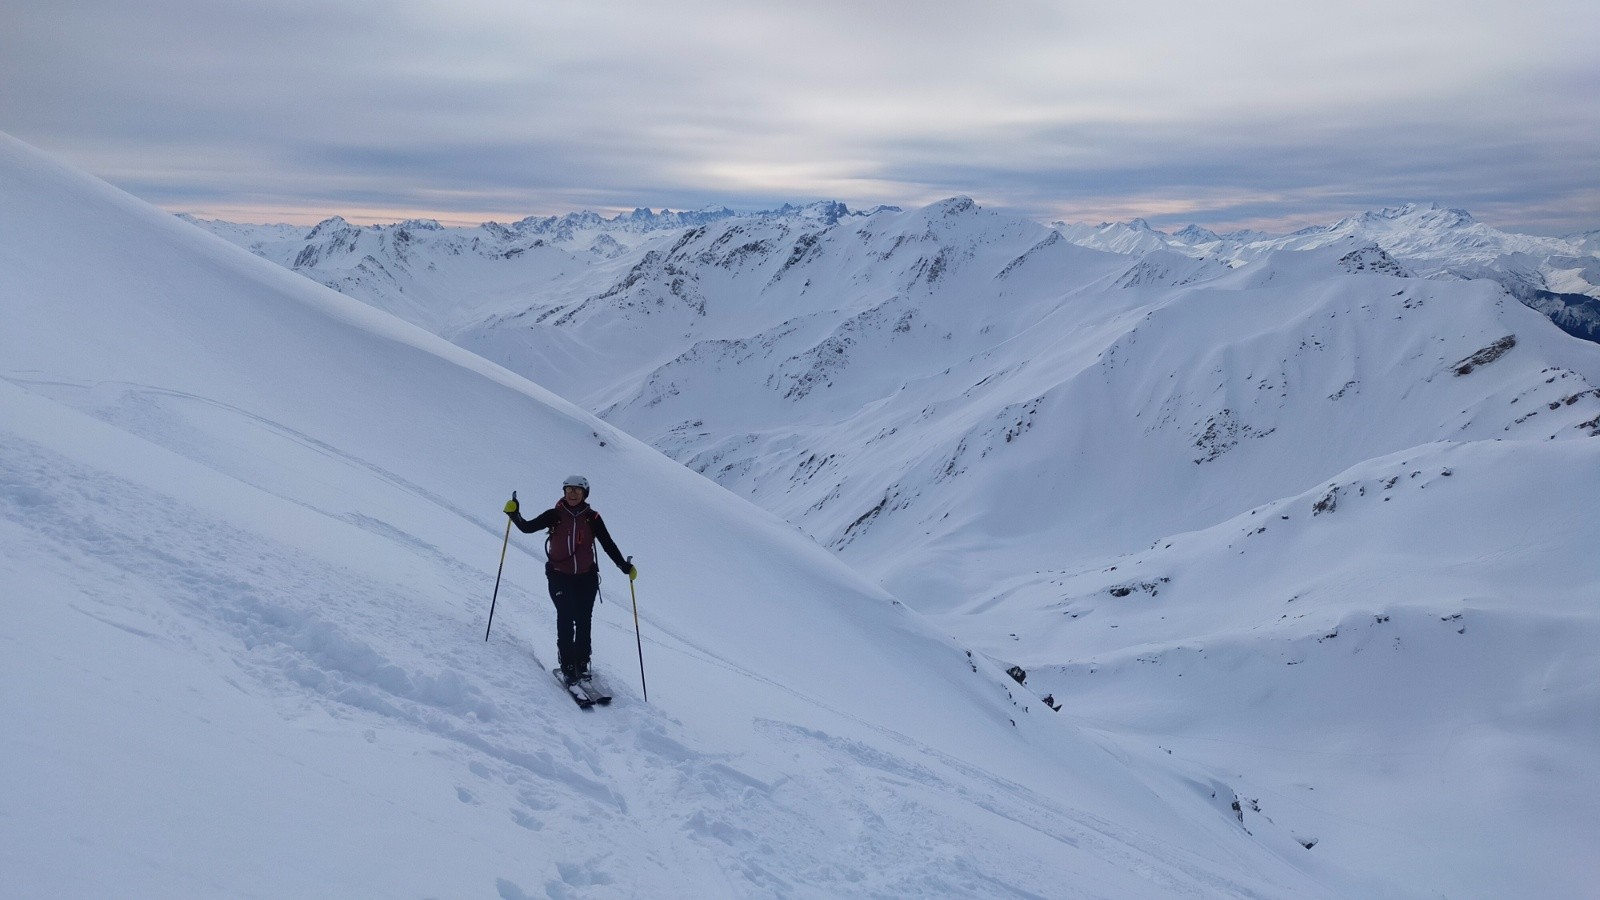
x=1300, y=543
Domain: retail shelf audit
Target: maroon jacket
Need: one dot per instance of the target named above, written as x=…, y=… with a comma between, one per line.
x=573, y=531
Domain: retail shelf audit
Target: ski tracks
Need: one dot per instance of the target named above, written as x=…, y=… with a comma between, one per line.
x=308, y=634
x=384, y=660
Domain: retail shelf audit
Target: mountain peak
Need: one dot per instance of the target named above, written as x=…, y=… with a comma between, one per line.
x=328, y=226
x=1194, y=234
x=1434, y=214
x=1365, y=256
x=956, y=206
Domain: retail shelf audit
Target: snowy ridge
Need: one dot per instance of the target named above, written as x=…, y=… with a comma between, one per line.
x=1435, y=241
x=249, y=526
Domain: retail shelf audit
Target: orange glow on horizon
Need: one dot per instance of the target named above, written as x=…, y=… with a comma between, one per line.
x=268, y=214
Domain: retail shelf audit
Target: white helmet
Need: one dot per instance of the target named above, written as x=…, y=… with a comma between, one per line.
x=577, y=481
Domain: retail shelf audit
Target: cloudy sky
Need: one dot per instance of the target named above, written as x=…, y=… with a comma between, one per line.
x=1265, y=113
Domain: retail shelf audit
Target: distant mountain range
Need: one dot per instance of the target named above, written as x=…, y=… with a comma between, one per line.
x=1558, y=276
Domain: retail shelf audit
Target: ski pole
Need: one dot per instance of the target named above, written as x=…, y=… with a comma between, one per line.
x=498, y=572
x=636, y=638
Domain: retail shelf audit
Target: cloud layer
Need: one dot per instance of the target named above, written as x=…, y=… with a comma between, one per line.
x=1232, y=114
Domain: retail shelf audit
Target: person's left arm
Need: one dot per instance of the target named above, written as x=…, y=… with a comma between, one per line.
x=603, y=535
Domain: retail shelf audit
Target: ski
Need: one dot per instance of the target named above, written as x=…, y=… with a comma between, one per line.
x=575, y=691
x=596, y=691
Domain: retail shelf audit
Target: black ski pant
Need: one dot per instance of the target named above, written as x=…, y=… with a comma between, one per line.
x=573, y=596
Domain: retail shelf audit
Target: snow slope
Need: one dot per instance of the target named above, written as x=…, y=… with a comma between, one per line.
x=248, y=528
x=1397, y=665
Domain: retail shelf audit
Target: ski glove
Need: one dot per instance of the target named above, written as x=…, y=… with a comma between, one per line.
x=511, y=505
x=633, y=571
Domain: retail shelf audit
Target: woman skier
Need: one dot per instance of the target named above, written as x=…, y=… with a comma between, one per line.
x=573, y=569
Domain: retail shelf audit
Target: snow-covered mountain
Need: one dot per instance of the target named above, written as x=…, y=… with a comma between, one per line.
x=248, y=535
x=1133, y=238
x=1588, y=240
x=1560, y=277
x=1346, y=503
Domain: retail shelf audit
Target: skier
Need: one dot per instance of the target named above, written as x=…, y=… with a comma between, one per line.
x=573, y=569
